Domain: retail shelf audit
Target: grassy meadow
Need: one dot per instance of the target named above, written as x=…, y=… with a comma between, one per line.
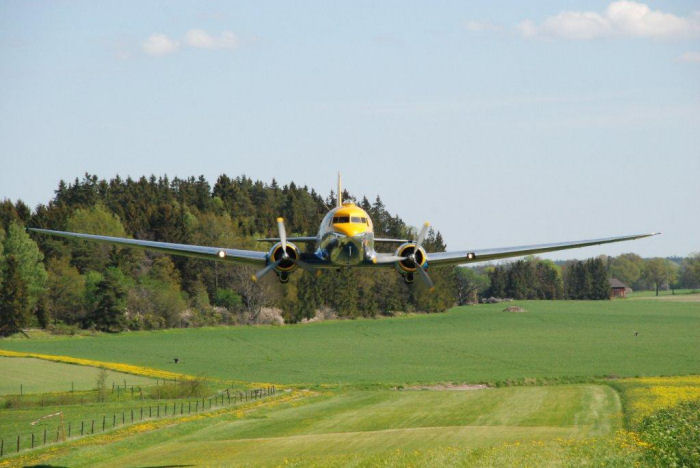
x=379, y=392
x=37, y=376
x=552, y=339
x=375, y=423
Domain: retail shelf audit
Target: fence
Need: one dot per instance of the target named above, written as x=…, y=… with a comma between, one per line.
x=65, y=431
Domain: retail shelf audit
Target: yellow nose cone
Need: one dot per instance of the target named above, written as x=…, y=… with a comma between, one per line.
x=350, y=229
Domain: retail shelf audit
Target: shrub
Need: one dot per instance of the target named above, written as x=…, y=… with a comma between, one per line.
x=673, y=435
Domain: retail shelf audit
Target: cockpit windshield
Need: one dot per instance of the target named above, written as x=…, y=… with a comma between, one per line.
x=350, y=219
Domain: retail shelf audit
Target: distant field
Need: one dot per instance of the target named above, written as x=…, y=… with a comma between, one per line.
x=468, y=344
x=361, y=425
x=650, y=294
x=37, y=376
x=687, y=297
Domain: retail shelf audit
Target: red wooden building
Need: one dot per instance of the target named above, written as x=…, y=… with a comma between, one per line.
x=617, y=288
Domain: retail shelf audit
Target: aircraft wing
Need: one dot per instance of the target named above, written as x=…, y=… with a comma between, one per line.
x=472, y=256
x=392, y=241
x=289, y=239
x=199, y=251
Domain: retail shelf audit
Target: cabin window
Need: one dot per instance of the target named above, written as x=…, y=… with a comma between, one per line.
x=364, y=220
x=341, y=219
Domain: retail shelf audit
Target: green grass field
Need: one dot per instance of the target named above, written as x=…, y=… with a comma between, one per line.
x=362, y=407
x=367, y=424
x=37, y=376
x=469, y=344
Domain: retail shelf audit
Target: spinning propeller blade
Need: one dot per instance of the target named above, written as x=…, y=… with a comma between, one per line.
x=285, y=256
x=419, y=245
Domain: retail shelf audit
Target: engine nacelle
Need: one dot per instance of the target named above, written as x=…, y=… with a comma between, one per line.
x=409, y=266
x=286, y=265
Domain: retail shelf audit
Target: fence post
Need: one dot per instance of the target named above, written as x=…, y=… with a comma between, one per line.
x=58, y=432
x=196, y=407
x=181, y=406
x=103, y=422
x=92, y=427
x=114, y=420
x=123, y=418
x=69, y=430
x=132, y=414
x=142, y=413
x=32, y=440
x=150, y=413
x=189, y=407
x=82, y=427
x=44, y=436
x=18, y=442
x=158, y=410
x=2, y=447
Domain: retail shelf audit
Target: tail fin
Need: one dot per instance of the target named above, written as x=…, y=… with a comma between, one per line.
x=340, y=192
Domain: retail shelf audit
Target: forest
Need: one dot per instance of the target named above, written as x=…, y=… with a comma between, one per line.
x=64, y=285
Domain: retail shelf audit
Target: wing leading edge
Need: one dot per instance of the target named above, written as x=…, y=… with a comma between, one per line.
x=212, y=253
x=472, y=256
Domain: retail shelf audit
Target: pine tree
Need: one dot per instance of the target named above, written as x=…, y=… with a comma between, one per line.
x=14, y=299
x=109, y=314
x=600, y=285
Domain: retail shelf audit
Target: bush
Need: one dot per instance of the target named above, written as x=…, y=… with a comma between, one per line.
x=180, y=389
x=673, y=435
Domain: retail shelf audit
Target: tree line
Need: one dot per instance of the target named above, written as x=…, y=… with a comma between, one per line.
x=535, y=278
x=64, y=284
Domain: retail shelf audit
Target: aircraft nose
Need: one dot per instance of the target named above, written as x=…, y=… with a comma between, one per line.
x=350, y=229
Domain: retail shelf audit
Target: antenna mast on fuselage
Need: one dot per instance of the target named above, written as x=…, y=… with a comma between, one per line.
x=340, y=192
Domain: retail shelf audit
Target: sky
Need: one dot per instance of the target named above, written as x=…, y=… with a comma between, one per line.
x=502, y=123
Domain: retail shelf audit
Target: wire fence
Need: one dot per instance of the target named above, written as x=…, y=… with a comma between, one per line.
x=115, y=419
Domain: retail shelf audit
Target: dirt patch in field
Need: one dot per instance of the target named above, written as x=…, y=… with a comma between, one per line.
x=513, y=308
x=449, y=387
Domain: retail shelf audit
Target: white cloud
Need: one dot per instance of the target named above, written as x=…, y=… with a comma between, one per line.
x=689, y=57
x=203, y=40
x=481, y=26
x=160, y=44
x=620, y=19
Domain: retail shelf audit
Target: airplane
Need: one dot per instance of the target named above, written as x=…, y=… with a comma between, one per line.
x=345, y=239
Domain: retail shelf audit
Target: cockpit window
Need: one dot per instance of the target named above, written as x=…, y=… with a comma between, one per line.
x=356, y=219
x=341, y=219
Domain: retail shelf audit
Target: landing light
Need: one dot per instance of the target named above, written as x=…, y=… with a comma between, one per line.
x=471, y=256
x=222, y=254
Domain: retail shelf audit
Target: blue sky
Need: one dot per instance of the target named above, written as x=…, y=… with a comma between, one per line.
x=502, y=123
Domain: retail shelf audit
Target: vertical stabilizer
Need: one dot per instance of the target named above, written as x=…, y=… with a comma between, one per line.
x=340, y=192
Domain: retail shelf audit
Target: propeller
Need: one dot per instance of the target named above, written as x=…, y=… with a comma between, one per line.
x=260, y=273
x=283, y=237
x=419, y=244
x=285, y=256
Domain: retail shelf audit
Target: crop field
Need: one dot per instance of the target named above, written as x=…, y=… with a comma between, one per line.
x=569, y=380
x=552, y=339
